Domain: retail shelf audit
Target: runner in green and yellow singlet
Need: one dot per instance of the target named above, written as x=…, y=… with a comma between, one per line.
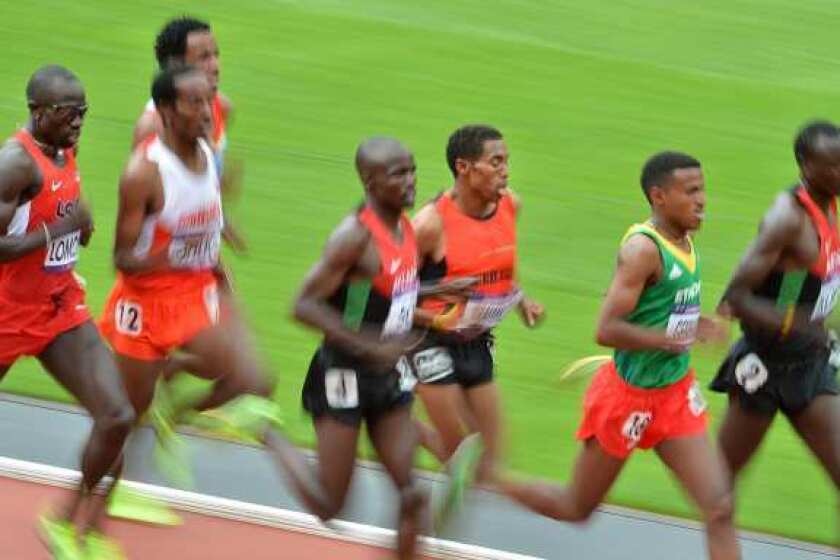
x=647, y=396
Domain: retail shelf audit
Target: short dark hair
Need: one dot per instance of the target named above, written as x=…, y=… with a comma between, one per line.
x=42, y=80
x=658, y=168
x=171, y=42
x=164, y=91
x=806, y=138
x=468, y=143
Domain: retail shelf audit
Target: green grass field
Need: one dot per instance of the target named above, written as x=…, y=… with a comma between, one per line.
x=583, y=91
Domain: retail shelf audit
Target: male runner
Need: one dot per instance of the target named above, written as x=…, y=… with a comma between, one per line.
x=361, y=294
x=647, y=395
x=468, y=232
x=782, y=291
x=186, y=40
x=166, y=249
x=42, y=302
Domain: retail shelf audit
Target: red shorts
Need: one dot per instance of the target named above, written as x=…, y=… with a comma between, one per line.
x=148, y=325
x=27, y=328
x=623, y=417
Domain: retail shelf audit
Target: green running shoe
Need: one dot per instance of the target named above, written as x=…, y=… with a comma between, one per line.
x=461, y=467
x=60, y=538
x=128, y=504
x=99, y=547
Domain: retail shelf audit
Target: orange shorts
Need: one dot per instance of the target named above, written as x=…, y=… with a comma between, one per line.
x=148, y=325
x=623, y=417
x=26, y=329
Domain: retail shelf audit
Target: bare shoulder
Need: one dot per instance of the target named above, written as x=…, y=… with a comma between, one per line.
x=784, y=217
x=427, y=219
x=639, y=254
x=140, y=174
x=349, y=237
x=17, y=169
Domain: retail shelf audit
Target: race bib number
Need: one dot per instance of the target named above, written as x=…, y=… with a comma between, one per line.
x=342, y=388
x=432, y=364
x=696, y=402
x=62, y=252
x=635, y=426
x=407, y=379
x=401, y=314
x=488, y=311
x=751, y=373
x=128, y=317
x=195, y=251
x=682, y=324
x=827, y=299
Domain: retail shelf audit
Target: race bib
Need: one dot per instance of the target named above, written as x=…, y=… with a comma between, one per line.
x=128, y=317
x=195, y=251
x=341, y=388
x=401, y=314
x=696, y=402
x=682, y=324
x=751, y=373
x=407, y=379
x=432, y=364
x=62, y=252
x=827, y=299
x=487, y=311
x=635, y=426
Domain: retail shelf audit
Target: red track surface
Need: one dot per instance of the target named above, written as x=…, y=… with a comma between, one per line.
x=201, y=537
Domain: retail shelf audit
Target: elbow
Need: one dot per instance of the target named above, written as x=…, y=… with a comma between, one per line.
x=603, y=336
x=299, y=310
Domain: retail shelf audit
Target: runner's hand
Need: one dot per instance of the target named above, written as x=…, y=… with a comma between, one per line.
x=532, y=312
x=713, y=330
x=80, y=217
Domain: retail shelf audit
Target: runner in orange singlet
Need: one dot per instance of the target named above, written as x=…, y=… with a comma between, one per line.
x=42, y=301
x=468, y=232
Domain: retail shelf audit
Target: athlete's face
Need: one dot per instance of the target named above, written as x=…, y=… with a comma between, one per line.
x=394, y=182
x=682, y=199
x=191, y=116
x=821, y=169
x=202, y=52
x=58, y=118
x=488, y=175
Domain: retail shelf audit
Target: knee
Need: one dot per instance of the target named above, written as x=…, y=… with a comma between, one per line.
x=412, y=499
x=116, y=422
x=581, y=513
x=721, y=510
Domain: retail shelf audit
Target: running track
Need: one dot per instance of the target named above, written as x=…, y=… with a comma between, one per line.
x=44, y=439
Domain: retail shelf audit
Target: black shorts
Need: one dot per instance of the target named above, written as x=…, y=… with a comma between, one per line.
x=443, y=360
x=765, y=386
x=348, y=392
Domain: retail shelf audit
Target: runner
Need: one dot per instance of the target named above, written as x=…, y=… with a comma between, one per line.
x=166, y=250
x=782, y=292
x=468, y=232
x=361, y=295
x=647, y=395
x=42, y=301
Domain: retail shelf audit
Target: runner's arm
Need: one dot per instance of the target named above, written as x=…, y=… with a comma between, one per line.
x=341, y=255
x=135, y=199
x=779, y=229
x=639, y=264
x=17, y=173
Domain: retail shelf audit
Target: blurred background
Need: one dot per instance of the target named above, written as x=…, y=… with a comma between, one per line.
x=584, y=92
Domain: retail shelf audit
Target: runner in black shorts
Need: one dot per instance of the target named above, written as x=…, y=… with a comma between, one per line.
x=469, y=231
x=362, y=294
x=782, y=291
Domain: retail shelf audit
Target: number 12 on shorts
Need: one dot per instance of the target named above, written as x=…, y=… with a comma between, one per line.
x=129, y=317
x=341, y=388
